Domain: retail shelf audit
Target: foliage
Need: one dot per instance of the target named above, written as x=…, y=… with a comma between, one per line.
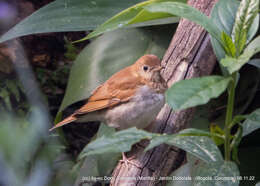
x=67, y=15
x=237, y=50
x=232, y=26
x=28, y=151
x=11, y=94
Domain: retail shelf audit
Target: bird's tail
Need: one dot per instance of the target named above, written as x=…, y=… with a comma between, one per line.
x=64, y=122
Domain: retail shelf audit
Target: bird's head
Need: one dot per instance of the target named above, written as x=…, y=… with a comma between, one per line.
x=148, y=68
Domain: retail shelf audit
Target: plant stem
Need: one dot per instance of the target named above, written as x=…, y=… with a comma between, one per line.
x=229, y=115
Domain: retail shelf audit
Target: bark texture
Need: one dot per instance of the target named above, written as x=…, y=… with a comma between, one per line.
x=189, y=55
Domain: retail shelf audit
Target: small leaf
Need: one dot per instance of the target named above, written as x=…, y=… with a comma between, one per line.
x=118, y=142
x=234, y=64
x=229, y=46
x=215, y=129
x=252, y=122
x=195, y=91
x=200, y=146
x=188, y=12
x=246, y=13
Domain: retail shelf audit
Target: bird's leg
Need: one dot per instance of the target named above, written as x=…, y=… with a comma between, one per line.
x=127, y=160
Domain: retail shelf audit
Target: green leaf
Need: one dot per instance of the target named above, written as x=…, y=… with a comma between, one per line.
x=215, y=129
x=198, y=132
x=144, y=16
x=222, y=173
x=223, y=16
x=118, y=142
x=195, y=91
x=234, y=64
x=194, y=132
x=132, y=15
x=252, y=122
x=108, y=54
x=67, y=15
x=200, y=146
x=245, y=16
x=188, y=12
x=229, y=46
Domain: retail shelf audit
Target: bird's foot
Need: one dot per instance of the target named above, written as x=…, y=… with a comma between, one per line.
x=128, y=161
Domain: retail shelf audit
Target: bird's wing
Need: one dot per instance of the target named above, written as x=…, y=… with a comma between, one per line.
x=97, y=105
x=116, y=90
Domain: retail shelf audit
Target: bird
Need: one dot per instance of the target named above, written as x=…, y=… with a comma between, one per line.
x=131, y=97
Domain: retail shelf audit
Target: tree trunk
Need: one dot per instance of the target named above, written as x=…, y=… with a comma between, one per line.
x=189, y=55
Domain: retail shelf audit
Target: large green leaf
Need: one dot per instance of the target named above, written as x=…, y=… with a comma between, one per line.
x=198, y=173
x=221, y=173
x=118, y=142
x=195, y=91
x=132, y=15
x=188, y=12
x=234, y=64
x=68, y=15
x=200, y=146
x=252, y=122
x=246, y=13
x=110, y=53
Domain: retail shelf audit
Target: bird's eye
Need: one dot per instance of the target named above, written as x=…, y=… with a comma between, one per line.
x=145, y=68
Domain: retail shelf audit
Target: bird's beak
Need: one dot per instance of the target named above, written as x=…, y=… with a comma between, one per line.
x=158, y=68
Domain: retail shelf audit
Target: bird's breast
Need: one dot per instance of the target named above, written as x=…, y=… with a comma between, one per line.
x=139, y=111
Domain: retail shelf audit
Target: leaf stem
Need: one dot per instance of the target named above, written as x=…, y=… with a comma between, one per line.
x=229, y=115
